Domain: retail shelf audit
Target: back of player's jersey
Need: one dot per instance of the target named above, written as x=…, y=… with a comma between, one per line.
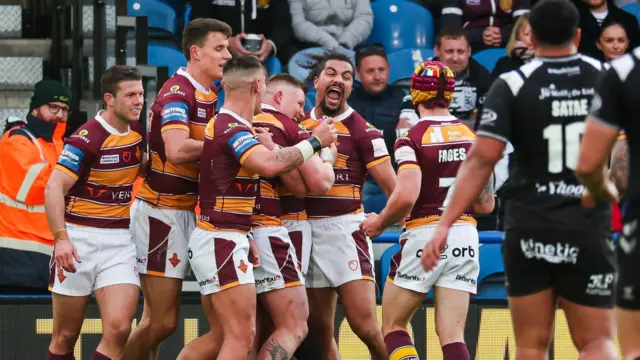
x=540, y=108
x=437, y=146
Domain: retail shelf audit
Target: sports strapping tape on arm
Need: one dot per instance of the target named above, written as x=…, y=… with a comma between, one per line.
x=309, y=147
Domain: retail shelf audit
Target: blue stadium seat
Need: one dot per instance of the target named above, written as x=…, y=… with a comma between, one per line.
x=491, y=277
x=160, y=15
x=166, y=56
x=401, y=24
x=633, y=9
x=310, y=101
x=273, y=65
x=489, y=57
x=374, y=203
x=187, y=14
x=301, y=57
x=403, y=62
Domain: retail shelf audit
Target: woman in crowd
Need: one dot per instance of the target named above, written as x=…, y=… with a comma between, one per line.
x=519, y=48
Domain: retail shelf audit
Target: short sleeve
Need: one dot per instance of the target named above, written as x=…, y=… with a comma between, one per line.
x=406, y=153
x=495, y=121
x=606, y=105
x=175, y=114
x=373, y=149
x=242, y=143
x=408, y=111
x=298, y=133
x=76, y=157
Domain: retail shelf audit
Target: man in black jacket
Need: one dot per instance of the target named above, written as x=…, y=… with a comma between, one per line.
x=269, y=19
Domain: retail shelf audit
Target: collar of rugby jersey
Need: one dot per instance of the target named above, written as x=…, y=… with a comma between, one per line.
x=235, y=116
x=110, y=129
x=264, y=106
x=183, y=71
x=442, y=118
x=340, y=117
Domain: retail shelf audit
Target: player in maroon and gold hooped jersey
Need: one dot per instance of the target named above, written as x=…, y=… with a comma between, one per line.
x=428, y=157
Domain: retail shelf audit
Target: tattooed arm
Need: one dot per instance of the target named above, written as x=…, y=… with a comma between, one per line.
x=275, y=351
x=275, y=162
x=619, y=171
x=485, y=202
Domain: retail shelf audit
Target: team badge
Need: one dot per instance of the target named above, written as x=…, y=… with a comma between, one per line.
x=126, y=156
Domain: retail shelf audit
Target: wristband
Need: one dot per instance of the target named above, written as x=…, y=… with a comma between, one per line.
x=316, y=143
x=306, y=149
x=326, y=155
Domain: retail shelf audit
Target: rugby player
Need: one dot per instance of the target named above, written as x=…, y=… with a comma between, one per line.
x=162, y=215
x=87, y=203
x=341, y=254
x=428, y=157
x=555, y=251
x=613, y=109
x=232, y=162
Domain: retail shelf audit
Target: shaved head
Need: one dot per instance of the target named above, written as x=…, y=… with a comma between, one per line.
x=286, y=94
x=245, y=76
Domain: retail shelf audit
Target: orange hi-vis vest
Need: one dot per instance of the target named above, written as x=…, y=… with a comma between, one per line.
x=26, y=162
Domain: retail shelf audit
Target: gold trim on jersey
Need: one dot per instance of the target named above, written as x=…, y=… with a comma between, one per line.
x=66, y=171
x=299, y=216
x=205, y=225
x=408, y=166
x=174, y=126
x=188, y=171
x=111, y=177
x=379, y=161
x=432, y=220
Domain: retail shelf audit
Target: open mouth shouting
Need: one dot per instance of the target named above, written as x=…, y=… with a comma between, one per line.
x=333, y=97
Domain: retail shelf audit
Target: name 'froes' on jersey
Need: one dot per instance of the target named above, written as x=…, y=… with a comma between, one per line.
x=540, y=108
x=183, y=104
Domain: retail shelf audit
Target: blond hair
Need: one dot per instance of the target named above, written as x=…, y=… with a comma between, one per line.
x=515, y=33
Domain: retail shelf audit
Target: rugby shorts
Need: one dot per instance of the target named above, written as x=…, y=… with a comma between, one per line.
x=161, y=237
x=108, y=258
x=300, y=235
x=578, y=265
x=457, y=269
x=279, y=266
x=340, y=252
x=628, y=285
x=220, y=260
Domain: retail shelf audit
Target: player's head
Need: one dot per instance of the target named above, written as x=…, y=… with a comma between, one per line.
x=205, y=45
x=50, y=101
x=453, y=49
x=554, y=23
x=286, y=94
x=432, y=85
x=245, y=75
x=123, y=92
x=372, y=67
x=333, y=80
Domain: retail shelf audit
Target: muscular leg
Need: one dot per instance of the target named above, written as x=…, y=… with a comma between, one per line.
x=398, y=307
x=208, y=345
x=452, y=307
x=68, y=316
x=236, y=311
x=592, y=330
x=159, y=317
x=322, y=311
x=359, y=300
x=118, y=306
x=629, y=332
x=289, y=310
x=533, y=320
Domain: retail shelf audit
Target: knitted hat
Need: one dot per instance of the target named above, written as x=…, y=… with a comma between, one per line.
x=433, y=84
x=48, y=91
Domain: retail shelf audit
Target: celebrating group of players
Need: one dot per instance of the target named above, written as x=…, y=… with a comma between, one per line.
x=279, y=208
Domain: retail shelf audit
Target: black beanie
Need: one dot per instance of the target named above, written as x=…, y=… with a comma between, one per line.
x=48, y=91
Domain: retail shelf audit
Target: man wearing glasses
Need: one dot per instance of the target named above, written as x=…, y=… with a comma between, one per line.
x=28, y=152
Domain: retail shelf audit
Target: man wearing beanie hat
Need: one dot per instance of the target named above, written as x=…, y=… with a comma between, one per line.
x=428, y=157
x=28, y=152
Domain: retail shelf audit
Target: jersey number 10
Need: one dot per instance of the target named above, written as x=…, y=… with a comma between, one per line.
x=570, y=146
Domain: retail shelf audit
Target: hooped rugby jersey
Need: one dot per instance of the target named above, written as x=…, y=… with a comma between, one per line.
x=360, y=147
x=437, y=146
x=227, y=189
x=105, y=164
x=286, y=132
x=182, y=103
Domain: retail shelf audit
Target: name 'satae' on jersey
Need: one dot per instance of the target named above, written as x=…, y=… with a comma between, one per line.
x=448, y=155
x=568, y=108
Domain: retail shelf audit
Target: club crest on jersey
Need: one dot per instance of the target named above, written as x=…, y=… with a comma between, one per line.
x=126, y=156
x=353, y=265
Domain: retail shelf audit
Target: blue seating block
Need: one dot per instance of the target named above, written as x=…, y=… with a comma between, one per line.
x=633, y=9
x=166, y=56
x=489, y=57
x=401, y=24
x=159, y=14
x=273, y=65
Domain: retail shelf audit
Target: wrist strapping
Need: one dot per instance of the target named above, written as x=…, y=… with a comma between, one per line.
x=326, y=155
x=306, y=149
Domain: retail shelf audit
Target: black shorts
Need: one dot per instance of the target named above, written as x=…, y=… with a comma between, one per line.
x=628, y=285
x=578, y=265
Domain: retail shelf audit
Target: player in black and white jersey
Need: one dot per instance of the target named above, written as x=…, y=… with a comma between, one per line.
x=615, y=108
x=555, y=251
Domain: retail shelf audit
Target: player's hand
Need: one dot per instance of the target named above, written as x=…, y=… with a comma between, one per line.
x=334, y=151
x=254, y=254
x=371, y=225
x=265, y=137
x=65, y=252
x=608, y=192
x=433, y=249
x=326, y=132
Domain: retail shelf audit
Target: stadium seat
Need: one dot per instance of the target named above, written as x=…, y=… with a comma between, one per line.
x=301, y=57
x=310, y=101
x=491, y=277
x=273, y=65
x=403, y=62
x=374, y=203
x=166, y=56
x=187, y=14
x=401, y=24
x=633, y=9
x=489, y=57
x=160, y=15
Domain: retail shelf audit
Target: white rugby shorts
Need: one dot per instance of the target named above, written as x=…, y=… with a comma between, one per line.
x=278, y=261
x=220, y=260
x=457, y=269
x=161, y=237
x=108, y=258
x=300, y=235
x=340, y=252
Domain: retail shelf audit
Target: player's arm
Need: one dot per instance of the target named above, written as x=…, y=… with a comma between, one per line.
x=403, y=197
x=485, y=203
x=619, y=171
x=294, y=181
x=178, y=147
x=373, y=151
x=144, y=162
x=317, y=172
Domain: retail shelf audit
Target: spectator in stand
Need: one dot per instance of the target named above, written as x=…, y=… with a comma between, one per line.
x=595, y=15
x=519, y=48
x=487, y=23
x=331, y=23
x=269, y=19
x=613, y=41
x=380, y=104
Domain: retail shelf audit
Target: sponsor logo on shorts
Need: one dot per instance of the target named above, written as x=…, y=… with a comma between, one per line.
x=458, y=252
x=465, y=279
x=268, y=280
x=401, y=275
x=174, y=260
x=353, y=265
x=61, y=275
x=628, y=293
x=141, y=260
x=211, y=281
x=243, y=267
x=552, y=253
x=600, y=284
